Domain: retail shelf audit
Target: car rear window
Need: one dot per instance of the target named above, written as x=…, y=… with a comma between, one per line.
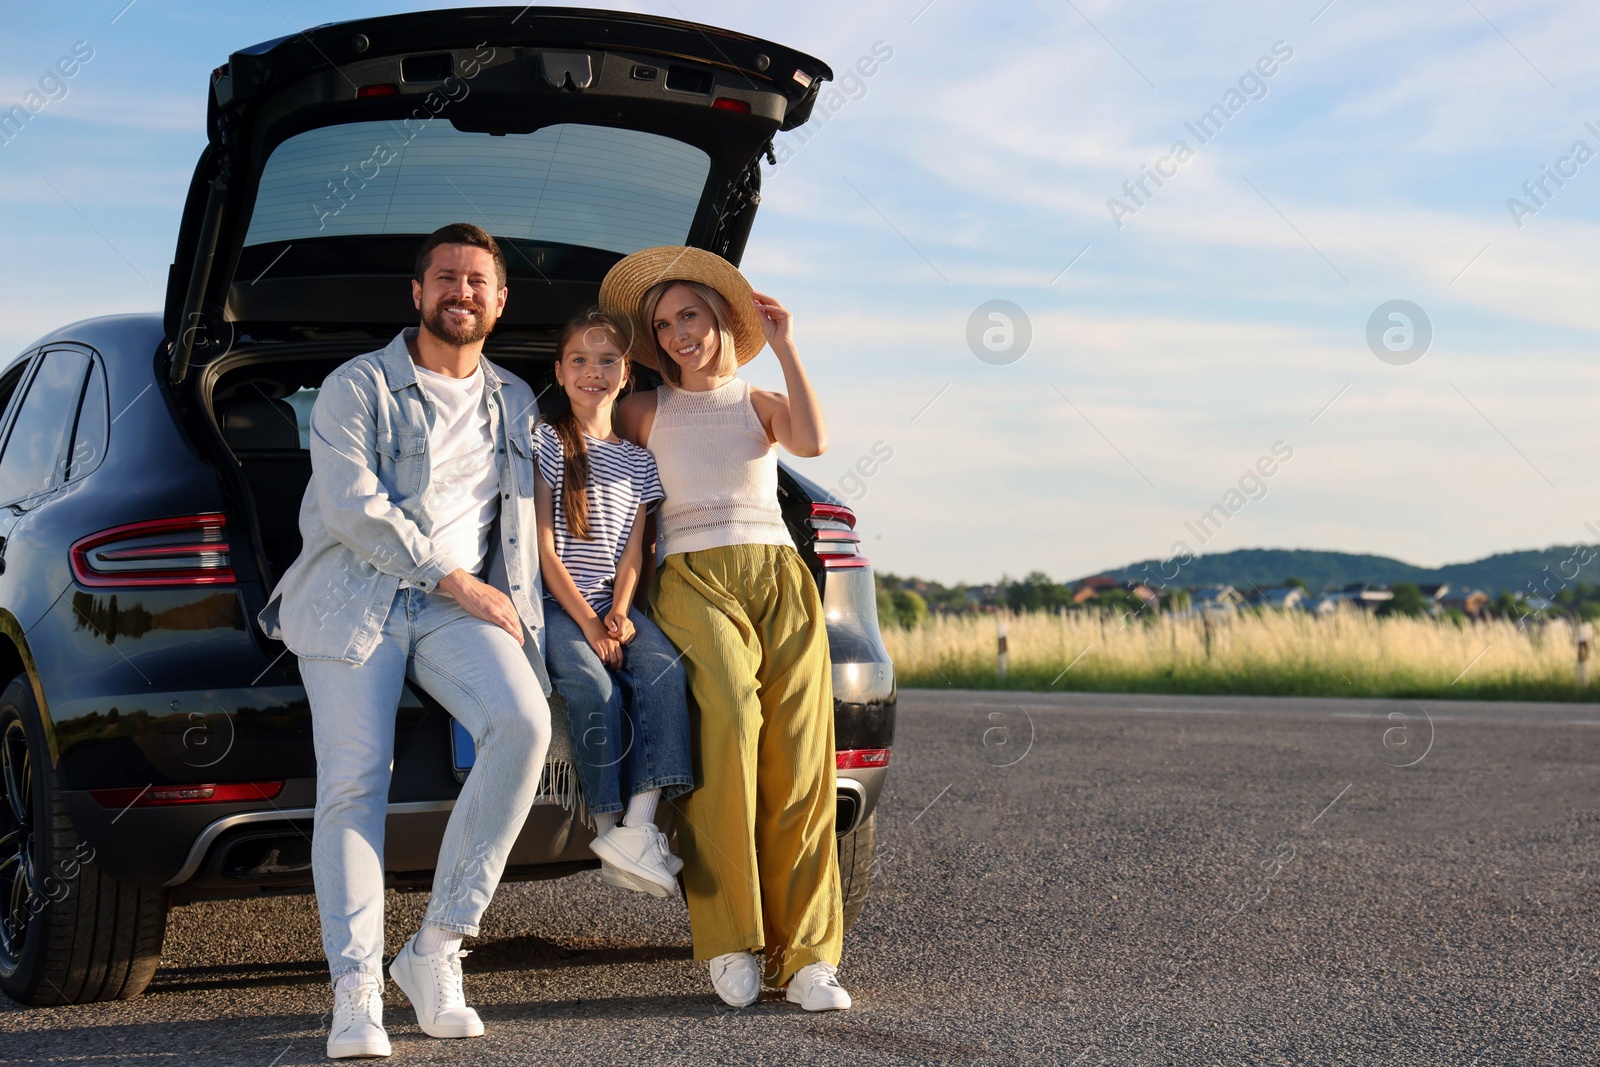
x=591, y=186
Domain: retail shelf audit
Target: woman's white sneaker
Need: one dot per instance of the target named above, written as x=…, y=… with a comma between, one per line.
x=357, y=1030
x=737, y=978
x=433, y=985
x=815, y=987
x=639, y=852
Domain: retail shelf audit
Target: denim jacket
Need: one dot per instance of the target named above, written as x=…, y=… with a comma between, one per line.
x=365, y=521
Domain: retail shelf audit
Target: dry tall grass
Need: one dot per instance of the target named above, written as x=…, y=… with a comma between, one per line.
x=1345, y=654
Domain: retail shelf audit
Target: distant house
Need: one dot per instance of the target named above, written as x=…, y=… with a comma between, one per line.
x=1366, y=596
x=1216, y=600
x=1090, y=588
x=1322, y=604
x=1470, y=602
x=1363, y=595
x=1434, y=594
x=1144, y=593
x=983, y=596
x=1281, y=597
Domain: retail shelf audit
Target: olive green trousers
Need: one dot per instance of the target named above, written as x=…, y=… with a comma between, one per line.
x=757, y=832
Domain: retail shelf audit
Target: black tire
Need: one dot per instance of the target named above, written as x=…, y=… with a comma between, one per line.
x=69, y=933
x=857, y=857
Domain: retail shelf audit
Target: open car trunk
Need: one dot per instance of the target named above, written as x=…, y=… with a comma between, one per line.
x=573, y=136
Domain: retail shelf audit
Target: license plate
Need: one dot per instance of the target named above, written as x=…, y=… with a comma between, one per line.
x=462, y=750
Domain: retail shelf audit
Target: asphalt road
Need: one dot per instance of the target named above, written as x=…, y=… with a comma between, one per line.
x=1073, y=879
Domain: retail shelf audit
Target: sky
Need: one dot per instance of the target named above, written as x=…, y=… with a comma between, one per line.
x=1219, y=340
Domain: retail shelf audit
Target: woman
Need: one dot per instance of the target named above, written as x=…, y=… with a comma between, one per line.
x=757, y=833
x=593, y=492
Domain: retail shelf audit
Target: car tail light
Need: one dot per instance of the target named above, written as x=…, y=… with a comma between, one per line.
x=152, y=796
x=727, y=103
x=190, y=550
x=834, y=539
x=852, y=758
x=377, y=90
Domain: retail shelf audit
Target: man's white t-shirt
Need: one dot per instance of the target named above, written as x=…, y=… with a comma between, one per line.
x=464, y=480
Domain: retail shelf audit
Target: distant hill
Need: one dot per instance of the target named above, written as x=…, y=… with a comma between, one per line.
x=1270, y=566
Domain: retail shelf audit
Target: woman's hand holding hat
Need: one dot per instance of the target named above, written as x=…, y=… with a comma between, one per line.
x=777, y=322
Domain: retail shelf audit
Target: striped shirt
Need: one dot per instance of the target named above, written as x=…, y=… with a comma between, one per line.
x=621, y=477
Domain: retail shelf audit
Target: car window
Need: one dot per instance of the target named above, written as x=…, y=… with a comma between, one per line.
x=94, y=426
x=572, y=184
x=34, y=460
x=8, y=388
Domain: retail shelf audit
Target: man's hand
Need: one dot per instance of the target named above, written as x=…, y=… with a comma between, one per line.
x=482, y=600
x=618, y=626
x=605, y=646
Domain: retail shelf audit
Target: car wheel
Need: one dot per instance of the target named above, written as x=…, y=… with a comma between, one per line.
x=857, y=854
x=69, y=933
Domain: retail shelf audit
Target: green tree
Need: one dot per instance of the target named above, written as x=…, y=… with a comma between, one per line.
x=888, y=615
x=948, y=598
x=1408, y=600
x=1507, y=606
x=909, y=608
x=1120, y=602
x=1036, y=592
x=1299, y=582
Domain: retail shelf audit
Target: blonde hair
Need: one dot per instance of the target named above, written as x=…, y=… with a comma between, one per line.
x=727, y=353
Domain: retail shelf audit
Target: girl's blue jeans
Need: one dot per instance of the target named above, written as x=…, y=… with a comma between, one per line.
x=629, y=727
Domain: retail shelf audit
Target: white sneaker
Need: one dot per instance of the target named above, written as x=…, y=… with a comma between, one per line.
x=815, y=987
x=737, y=978
x=623, y=880
x=640, y=851
x=433, y=985
x=357, y=1030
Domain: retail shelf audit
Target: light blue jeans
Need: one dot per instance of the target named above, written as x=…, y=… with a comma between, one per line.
x=481, y=676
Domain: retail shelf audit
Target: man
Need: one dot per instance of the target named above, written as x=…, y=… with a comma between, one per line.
x=420, y=562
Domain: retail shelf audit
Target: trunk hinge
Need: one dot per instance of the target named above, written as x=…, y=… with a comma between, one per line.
x=192, y=325
x=743, y=193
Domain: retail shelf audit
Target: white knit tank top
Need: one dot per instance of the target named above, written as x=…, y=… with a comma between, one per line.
x=718, y=469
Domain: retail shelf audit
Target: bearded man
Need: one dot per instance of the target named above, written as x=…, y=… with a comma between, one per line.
x=420, y=562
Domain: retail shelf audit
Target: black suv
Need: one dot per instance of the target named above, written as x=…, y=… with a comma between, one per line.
x=156, y=748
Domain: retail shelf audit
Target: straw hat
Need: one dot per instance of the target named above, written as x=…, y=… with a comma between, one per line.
x=626, y=283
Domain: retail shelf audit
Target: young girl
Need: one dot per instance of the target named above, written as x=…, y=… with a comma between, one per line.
x=757, y=833
x=627, y=712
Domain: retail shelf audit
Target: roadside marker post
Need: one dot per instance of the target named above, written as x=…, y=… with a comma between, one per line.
x=1585, y=636
x=1000, y=629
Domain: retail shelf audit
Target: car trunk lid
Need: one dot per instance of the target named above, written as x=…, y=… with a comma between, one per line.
x=573, y=136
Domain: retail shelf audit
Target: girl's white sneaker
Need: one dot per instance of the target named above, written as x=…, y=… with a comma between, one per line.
x=815, y=987
x=640, y=853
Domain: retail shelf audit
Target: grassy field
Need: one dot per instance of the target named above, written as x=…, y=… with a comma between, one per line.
x=1347, y=654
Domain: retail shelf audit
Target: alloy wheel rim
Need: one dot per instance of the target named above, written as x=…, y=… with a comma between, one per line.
x=18, y=874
